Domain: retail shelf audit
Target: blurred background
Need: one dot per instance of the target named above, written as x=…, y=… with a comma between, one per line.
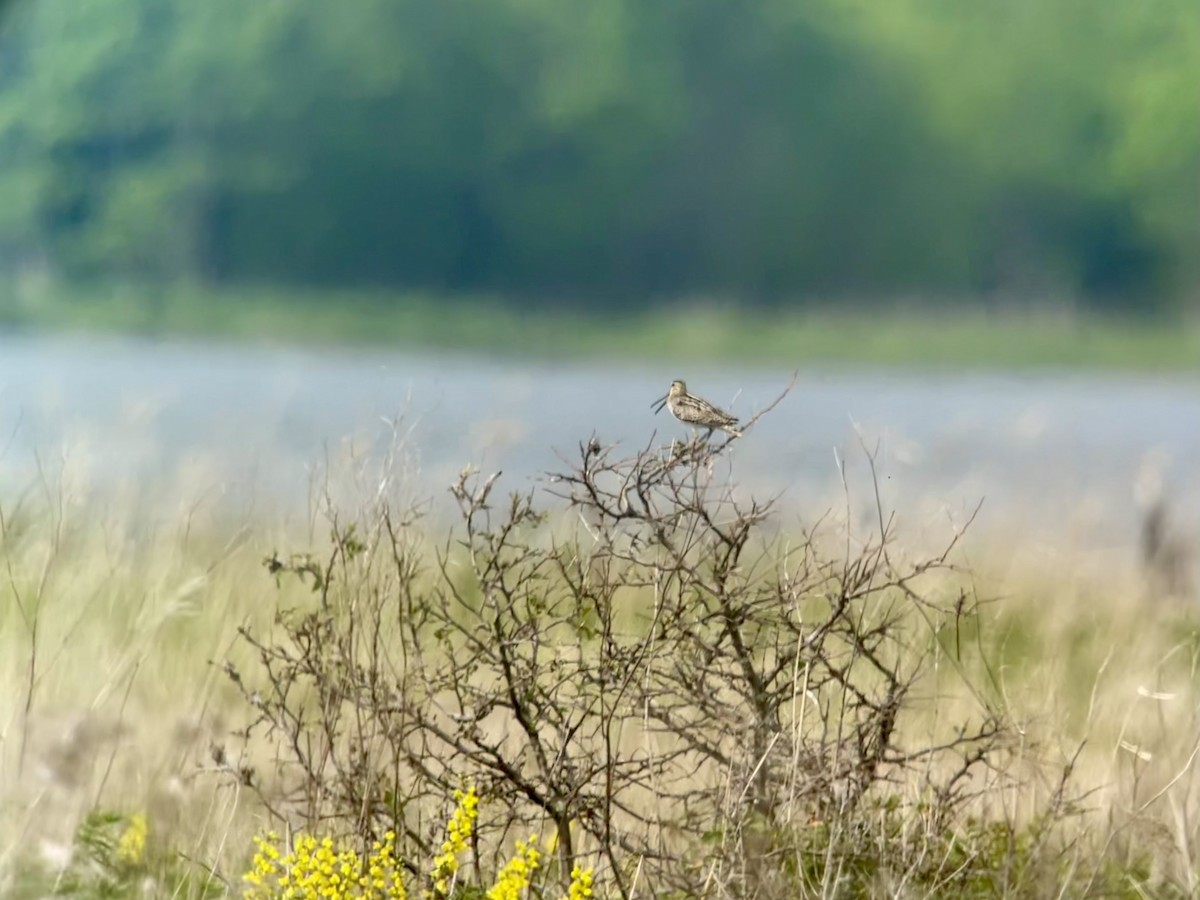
x=238, y=239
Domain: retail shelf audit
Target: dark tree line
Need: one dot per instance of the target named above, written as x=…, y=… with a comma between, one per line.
x=768, y=150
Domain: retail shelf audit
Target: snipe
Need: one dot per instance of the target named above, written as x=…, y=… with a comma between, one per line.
x=696, y=411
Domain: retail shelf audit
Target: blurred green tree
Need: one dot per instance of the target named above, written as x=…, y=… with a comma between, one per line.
x=766, y=151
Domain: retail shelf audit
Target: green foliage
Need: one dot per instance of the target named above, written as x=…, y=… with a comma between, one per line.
x=1083, y=116
x=115, y=856
x=930, y=338
x=902, y=854
x=623, y=149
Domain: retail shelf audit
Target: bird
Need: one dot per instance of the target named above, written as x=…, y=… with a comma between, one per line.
x=695, y=411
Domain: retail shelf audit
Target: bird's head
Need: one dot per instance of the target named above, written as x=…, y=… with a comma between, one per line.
x=677, y=388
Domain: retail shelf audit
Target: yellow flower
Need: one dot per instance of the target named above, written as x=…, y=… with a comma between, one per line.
x=263, y=867
x=319, y=869
x=458, y=832
x=581, y=884
x=131, y=846
x=517, y=872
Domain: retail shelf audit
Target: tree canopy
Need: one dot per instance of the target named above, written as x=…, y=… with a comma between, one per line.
x=768, y=150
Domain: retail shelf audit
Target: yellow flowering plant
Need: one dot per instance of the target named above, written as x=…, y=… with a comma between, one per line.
x=131, y=846
x=113, y=854
x=316, y=869
x=458, y=833
x=581, y=884
x=515, y=877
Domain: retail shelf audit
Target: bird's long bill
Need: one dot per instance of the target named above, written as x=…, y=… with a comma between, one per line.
x=659, y=404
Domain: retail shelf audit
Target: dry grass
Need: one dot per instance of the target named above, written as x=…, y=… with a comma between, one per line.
x=1103, y=673
x=111, y=693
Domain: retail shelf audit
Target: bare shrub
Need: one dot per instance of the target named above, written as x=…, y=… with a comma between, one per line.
x=657, y=679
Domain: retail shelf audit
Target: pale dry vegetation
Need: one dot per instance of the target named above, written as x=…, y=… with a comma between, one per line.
x=630, y=658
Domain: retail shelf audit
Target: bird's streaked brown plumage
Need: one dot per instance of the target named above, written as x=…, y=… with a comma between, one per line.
x=696, y=411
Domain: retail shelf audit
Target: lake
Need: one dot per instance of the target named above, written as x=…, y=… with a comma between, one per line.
x=1054, y=456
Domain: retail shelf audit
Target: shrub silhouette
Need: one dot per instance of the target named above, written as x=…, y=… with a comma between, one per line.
x=628, y=658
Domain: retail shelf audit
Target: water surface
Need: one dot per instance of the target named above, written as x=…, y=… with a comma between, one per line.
x=1053, y=455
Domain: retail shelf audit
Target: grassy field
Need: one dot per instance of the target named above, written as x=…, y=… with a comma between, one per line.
x=122, y=775
x=116, y=712
x=907, y=336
